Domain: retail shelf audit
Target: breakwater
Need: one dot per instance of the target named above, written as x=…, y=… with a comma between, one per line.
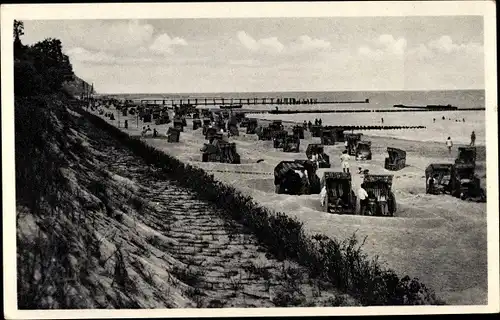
x=341, y=263
x=366, y=110
x=347, y=128
x=428, y=107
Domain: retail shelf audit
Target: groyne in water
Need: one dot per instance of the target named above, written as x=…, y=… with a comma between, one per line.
x=365, y=110
x=340, y=263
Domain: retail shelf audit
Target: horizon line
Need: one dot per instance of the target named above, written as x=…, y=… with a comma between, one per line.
x=291, y=91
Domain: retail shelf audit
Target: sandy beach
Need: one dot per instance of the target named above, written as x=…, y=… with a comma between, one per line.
x=437, y=238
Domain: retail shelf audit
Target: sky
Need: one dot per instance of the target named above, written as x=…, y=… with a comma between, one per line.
x=271, y=54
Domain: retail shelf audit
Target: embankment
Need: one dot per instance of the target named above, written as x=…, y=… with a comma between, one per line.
x=342, y=263
x=100, y=228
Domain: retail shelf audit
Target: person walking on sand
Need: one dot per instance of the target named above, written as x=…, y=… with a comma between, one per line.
x=322, y=195
x=449, y=144
x=363, y=199
x=382, y=120
x=473, y=139
x=344, y=158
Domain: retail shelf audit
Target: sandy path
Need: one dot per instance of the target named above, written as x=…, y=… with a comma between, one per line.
x=223, y=264
x=439, y=239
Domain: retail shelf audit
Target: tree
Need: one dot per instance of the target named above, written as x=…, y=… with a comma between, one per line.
x=49, y=60
x=19, y=48
x=18, y=29
x=41, y=68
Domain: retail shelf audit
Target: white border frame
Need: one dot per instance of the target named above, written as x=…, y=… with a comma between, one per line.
x=245, y=10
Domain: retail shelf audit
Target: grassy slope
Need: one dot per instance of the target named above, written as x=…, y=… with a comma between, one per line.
x=71, y=251
x=97, y=243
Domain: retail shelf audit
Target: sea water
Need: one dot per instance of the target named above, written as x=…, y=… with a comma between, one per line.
x=439, y=130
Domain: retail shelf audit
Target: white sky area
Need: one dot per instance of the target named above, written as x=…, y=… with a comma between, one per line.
x=271, y=54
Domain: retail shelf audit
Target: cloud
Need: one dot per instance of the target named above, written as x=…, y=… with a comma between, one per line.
x=445, y=47
x=266, y=45
x=303, y=44
x=307, y=43
x=384, y=45
x=366, y=51
x=116, y=36
x=79, y=54
x=164, y=43
x=392, y=45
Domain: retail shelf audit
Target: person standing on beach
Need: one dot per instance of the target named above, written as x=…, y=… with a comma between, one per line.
x=363, y=199
x=344, y=158
x=449, y=144
x=322, y=195
x=473, y=139
x=320, y=122
x=382, y=120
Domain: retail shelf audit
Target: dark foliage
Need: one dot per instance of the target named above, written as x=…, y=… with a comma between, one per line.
x=41, y=68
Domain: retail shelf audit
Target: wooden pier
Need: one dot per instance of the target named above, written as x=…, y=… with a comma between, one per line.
x=243, y=101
